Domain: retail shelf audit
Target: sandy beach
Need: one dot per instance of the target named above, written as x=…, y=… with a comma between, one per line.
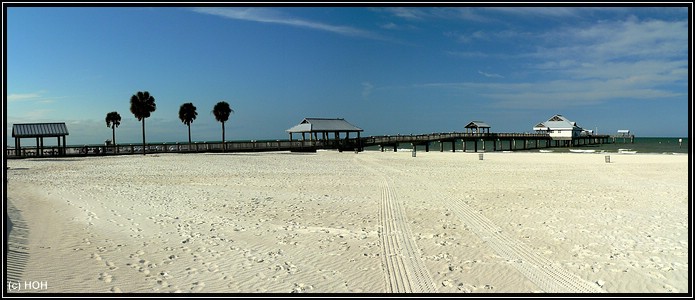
x=331, y=222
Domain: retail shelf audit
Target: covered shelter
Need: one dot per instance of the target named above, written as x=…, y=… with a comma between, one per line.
x=39, y=131
x=559, y=128
x=314, y=126
x=477, y=127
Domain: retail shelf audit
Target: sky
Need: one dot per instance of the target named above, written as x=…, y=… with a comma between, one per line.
x=387, y=70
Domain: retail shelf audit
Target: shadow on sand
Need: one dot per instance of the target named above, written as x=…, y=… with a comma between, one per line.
x=16, y=243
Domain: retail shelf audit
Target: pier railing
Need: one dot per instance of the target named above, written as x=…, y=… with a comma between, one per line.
x=349, y=144
x=233, y=146
x=390, y=139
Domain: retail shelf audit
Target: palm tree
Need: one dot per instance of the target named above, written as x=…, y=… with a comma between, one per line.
x=222, y=112
x=141, y=105
x=113, y=119
x=187, y=114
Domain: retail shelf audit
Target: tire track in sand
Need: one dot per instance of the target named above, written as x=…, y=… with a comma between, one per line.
x=405, y=271
x=546, y=274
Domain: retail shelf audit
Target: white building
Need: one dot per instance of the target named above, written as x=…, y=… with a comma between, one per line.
x=559, y=128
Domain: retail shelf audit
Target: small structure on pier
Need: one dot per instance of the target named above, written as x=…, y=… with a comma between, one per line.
x=559, y=128
x=39, y=131
x=625, y=134
x=477, y=127
x=314, y=126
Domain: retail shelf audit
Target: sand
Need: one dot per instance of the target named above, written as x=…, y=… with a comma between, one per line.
x=331, y=222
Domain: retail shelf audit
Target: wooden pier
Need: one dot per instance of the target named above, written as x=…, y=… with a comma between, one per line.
x=478, y=141
x=469, y=142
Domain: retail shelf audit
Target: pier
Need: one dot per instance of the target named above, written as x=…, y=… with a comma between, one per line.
x=476, y=142
x=558, y=131
x=469, y=142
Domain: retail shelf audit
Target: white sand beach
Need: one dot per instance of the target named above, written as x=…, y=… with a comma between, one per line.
x=331, y=222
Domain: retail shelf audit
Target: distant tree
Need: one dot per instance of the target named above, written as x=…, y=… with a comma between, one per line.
x=113, y=119
x=142, y=105
x=222, y=112
x=187, y=114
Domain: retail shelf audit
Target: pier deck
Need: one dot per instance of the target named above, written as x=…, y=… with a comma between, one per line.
x=500, y=142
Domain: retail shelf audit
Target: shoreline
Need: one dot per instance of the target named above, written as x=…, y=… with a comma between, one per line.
x=277, y=223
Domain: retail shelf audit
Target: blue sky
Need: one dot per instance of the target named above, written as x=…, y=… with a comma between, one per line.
x=388, y=70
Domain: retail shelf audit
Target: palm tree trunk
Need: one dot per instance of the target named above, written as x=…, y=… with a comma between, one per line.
x=224, y=148
x=189, y=134
x=113, y=136
x=143, y=136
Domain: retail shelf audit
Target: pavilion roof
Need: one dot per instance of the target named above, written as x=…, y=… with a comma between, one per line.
x=31, y=130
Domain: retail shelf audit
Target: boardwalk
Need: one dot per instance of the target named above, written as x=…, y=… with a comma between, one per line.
x=500, y=142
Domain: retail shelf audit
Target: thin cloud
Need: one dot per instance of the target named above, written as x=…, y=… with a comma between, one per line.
x=554, y=12
x=493, y=75
x=465, y=54
x=38, y=114
x=367, y=89
x=264, y=15
x=560, y=93
x=38, y=97
x=390, y=26
x=23, y=97
x=407, y=13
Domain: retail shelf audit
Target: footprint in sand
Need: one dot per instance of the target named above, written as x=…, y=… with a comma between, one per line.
x=213, y=268
x=111, y=265
x=197, y=286
x=301, y=287
x=116, y=290
x=162, y=283
x=105, y=277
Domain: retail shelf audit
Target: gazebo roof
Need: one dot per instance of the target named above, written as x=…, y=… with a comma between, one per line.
x=477, y=124
x=32, y=130
x=557, y=122
x=324, y=125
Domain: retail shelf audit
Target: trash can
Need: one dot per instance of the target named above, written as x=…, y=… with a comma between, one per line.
x=480, y=156
x=608, y=158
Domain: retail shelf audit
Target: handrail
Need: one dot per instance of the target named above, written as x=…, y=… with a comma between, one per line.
x=277, y=145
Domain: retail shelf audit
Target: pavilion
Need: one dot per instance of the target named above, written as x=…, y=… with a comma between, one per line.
x=477, y=127
x=39, y=131
x=314, y=126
